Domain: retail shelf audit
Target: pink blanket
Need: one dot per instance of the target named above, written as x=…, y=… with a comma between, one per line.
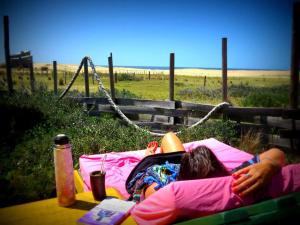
x=187, y=199
x=119, y=165
x=196, y=198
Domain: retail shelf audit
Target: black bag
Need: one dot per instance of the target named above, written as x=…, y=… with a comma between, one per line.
x=156, y=159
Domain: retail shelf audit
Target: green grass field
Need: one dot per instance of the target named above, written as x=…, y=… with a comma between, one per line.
x=262, y=91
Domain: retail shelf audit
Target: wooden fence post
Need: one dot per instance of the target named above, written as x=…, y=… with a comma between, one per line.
x=116, y=77
x=171, y=80
x=149, y=75
x=55, y=77
x=31, y=74
x=204, y=82
x=86, y=77
x=111, y=77
x=7, y=54
x=294, y=85
x=224, y=69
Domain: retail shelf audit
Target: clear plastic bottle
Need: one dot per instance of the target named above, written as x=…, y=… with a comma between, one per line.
x=63, y=162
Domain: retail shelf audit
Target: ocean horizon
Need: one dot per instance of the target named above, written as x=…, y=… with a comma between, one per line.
x=205, y=68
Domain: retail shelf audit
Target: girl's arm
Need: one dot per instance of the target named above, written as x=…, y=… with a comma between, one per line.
x=256, y=176
x=274, y=156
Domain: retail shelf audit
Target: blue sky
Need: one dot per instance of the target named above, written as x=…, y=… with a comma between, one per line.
x=144, y=33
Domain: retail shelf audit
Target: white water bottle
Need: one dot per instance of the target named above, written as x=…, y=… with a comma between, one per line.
x=63, y=162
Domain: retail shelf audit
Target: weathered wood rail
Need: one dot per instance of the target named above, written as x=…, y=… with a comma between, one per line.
x=159, y=115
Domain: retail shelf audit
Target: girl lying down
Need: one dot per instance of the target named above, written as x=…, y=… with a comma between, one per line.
x=200, y=163
x=196, y=198
x=203, y=185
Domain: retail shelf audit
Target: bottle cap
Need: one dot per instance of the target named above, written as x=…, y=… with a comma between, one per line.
x=61, y=139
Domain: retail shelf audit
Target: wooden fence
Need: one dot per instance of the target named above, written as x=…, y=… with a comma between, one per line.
x=279, y=126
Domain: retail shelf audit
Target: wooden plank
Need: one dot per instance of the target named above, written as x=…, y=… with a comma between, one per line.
x=278, y=122
x=285, y=133
x=171, y=79
x=192, y=112
x=111, y=77
x=241, y=118
x=21, y=54
x=252, y=126
x=294, y=86
x=253, y=111
x=143, y=110
x=31, y=75
x=189, y=109
x=21, y=61
x=291, y=114
x=86, y=77
x=196, y=111
x=7, y=54
x=195, y=107
x=54, y=76
x=276, y=140
x=224, y=69
x=152, y=111
x=162, y=119
x=147, y=103
x=123, y=101
x=116, y=77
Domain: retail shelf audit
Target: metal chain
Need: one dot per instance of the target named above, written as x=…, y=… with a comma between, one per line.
x=125, y=118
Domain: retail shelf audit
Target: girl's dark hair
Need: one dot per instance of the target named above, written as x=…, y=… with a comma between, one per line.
x=200, y=163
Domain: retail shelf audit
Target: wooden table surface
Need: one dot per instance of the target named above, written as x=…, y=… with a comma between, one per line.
x=49, y=212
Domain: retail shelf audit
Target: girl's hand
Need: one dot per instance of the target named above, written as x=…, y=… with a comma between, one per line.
x=253, y=177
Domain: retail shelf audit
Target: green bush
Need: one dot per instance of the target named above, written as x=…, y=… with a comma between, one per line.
x=119, y=94
x=200, y=93
x=126, y=94
x=276, y=96
x=128, y=77
x=261, y=99
x=241, y=90
x=27, y=171
x=28, y=160
x=222, y=130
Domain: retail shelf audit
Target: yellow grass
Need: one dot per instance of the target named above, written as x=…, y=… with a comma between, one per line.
x=187, y=72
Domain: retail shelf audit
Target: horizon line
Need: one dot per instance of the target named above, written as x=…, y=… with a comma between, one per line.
x=178, y=67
